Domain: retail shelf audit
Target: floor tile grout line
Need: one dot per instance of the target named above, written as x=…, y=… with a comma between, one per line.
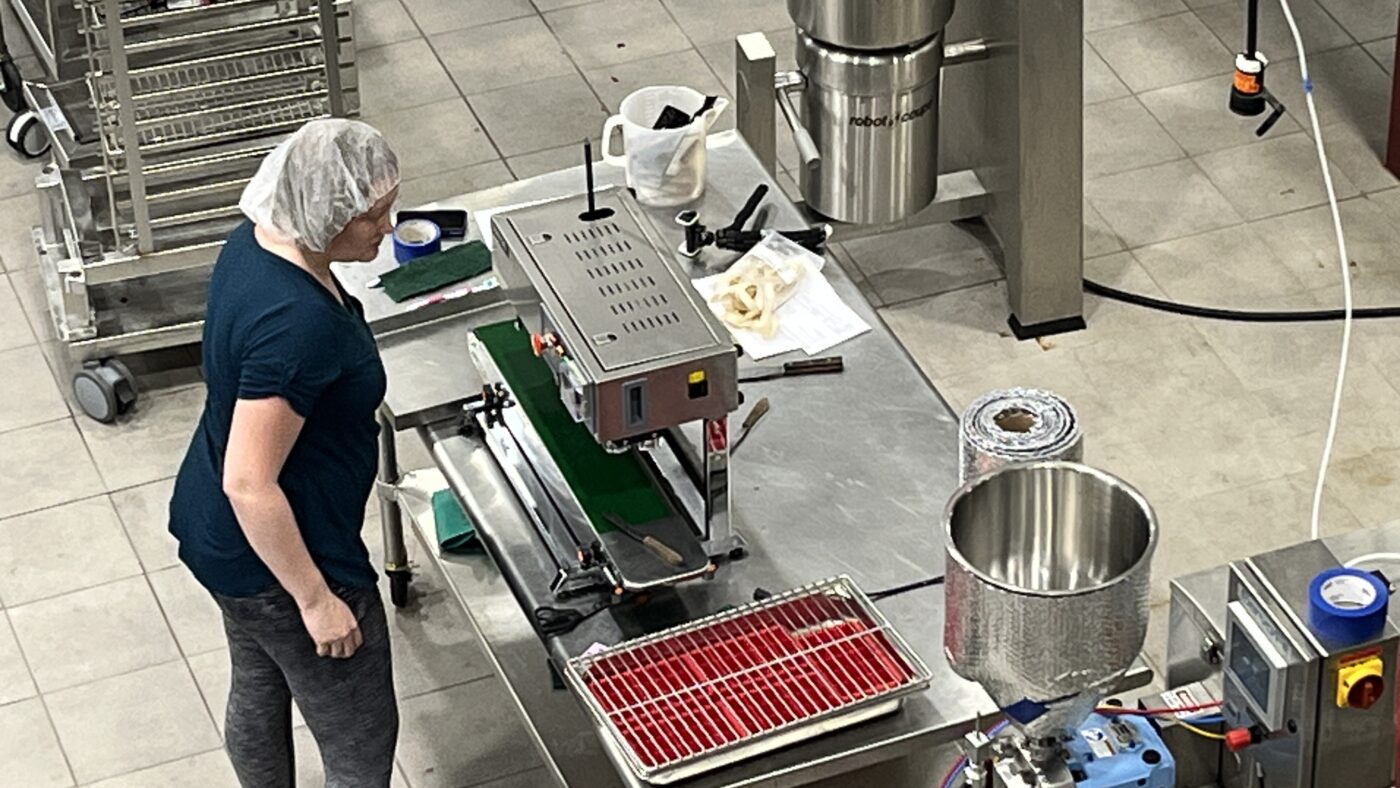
x=1335, y=21
x=35, y=425
x=441, y=64
x=1109, y=66
x=1291, y=52
x=1242, y=222
x=42, y=696
x=68, y=502
x=961, y=289
x=52, y=597
x=1388, y=71
x=453, y=685
x=1192, y=158
x=125, y=673
x=544, y=19
x=414, y=19
x=23, y=313
x=1130, y=250
x=219, y=749
x=1185, y=9
x=501, y=777
x=1215, y=182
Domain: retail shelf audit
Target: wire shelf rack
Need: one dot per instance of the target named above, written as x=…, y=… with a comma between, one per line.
x=224, y=72
x=734, y=685
x=213, y=100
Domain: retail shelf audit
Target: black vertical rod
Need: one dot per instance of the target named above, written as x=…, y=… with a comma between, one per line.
x=588, y=172
x=1251, y=30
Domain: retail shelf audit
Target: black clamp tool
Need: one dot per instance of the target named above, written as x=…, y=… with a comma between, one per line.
x=735, y=238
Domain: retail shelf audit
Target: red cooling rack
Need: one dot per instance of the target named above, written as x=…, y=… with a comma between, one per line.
x=734, y=681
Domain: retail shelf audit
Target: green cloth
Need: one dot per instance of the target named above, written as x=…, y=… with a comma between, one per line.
x=455, y=532
x=603, y=483
x=435, y=271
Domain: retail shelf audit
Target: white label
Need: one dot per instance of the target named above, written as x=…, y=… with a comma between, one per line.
x=1098, y=742
x=53, y=118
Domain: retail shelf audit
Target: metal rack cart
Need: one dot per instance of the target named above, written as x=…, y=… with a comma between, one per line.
x=152, y=148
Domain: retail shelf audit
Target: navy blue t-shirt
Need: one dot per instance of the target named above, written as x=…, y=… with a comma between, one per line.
x=272, y=330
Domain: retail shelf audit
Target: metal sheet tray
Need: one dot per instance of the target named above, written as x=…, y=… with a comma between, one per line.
x=731, y=686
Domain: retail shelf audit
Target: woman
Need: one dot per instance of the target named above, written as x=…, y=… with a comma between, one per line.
x=270, y=499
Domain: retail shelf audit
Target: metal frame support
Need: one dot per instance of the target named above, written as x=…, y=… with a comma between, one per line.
x=328, y=10
x=1026, y=146
x=719, y=537
x=131, y=137
x=390, y=515
x=756, y=96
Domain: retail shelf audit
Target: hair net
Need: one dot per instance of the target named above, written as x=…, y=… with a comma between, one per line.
x=327, y=173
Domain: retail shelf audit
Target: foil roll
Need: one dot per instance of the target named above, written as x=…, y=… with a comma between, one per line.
x=1017, y=426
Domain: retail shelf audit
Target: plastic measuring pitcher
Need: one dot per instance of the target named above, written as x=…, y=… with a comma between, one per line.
x=666, y=167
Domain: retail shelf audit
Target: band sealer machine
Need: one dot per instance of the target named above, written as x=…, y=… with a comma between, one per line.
x=607, y=400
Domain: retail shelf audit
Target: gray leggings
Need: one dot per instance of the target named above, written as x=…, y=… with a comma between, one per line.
x=348, y=704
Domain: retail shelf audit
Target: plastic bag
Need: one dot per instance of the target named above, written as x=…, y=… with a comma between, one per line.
x=748, y=295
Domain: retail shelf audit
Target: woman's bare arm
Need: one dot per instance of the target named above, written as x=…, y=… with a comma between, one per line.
x=260, y=438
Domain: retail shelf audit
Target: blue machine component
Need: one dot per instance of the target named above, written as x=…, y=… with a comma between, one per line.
x=1120, y=752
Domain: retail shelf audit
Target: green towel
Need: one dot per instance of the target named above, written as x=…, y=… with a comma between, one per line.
x=455, y=532
x=436, y=271
x=603, y=483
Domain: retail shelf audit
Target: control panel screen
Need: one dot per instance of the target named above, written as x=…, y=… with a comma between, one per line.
x=1250, y=668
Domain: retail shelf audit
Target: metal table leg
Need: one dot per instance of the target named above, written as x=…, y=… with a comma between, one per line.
x=391, y=516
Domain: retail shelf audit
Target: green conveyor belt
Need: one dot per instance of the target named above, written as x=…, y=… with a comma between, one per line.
x=602, y=482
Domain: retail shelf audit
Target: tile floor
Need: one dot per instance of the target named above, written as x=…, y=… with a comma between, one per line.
x=112, y=671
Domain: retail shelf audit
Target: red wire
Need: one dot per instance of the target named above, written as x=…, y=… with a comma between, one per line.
x=948, y=776
x=1158, y=712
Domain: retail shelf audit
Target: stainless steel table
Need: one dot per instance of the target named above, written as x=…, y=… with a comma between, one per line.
x=847, y=474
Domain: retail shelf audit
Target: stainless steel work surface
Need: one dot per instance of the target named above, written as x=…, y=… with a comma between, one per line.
x=847, y=474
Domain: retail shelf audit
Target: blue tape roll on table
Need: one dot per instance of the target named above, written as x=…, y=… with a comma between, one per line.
x=1347, y=605
x=415, y=238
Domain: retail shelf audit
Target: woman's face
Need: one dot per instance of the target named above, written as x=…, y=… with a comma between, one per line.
x=359, y=241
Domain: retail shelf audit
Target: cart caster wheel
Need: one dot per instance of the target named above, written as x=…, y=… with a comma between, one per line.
x=398, y=588
x=26, y=135
x=10, y=84
x=738, y=554
x=104, y=390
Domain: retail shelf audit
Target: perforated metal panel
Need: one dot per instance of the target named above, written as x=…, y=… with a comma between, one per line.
x=621, y=295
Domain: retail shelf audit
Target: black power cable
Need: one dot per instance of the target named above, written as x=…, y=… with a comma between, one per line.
x=1242, y=316
x=907, y=587
x=760, y=594
x=563, y=620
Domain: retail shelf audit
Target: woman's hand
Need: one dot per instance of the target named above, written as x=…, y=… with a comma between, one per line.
x=332, y=626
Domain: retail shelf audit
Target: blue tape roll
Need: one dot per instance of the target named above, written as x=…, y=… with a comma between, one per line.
x=1347, y=605
x=415, y=238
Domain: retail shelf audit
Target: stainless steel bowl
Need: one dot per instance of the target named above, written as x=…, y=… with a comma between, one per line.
x=871, y=24
x=1048, y=573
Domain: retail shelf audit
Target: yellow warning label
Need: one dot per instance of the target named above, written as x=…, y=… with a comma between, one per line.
x=697, y=376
